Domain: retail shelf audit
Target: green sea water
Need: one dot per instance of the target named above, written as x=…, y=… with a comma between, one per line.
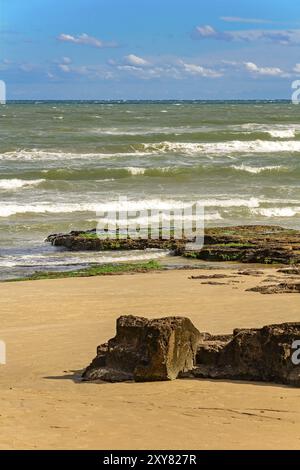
x=60, y=161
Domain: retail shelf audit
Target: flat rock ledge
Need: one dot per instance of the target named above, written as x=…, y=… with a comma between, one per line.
x=281, y=288
x=266, y=244
x=169, y=348
x=90, y=241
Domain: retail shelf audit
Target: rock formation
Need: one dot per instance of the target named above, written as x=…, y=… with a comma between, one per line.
x=167, y=348
x=289, y=271
x=146, y=350
x=246, y=244
x=260, y=354
x=250, y=244
x=281, y=288
x=90, y=241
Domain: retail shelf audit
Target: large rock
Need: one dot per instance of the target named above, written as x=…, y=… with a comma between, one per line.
x=167, y=348
x=263, y=354
x=89, y=240
x=250, y=244
x=146, y=350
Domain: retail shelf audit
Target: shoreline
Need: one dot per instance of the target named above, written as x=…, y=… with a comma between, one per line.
x=133, y=268
x=246, y=244
x=76, y=252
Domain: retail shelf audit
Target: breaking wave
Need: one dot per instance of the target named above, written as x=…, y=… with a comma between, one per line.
x=14, y=183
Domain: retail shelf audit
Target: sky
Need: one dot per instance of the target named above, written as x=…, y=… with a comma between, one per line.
x=149, y=49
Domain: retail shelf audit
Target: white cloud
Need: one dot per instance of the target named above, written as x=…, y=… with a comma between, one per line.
x=283, y=37
x=271, y=71
x=194, y=69
x=230, y=62
x=84, y=39
x=66, y=60
x=142, y=73
x=171, y=68
x=65, y=68
x=5, y=64
x=238, y=19
x=135, y=60
x=26, y=67
x=297, y=68
x=89, y=71
x=206, y=31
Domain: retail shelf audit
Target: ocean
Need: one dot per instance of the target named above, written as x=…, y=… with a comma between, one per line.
x=61, y=161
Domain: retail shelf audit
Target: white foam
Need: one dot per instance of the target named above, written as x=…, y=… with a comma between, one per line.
x=11, y=184
x=135, y=170
x=238, y=202
x=7, y=264
x=165, y=218
x=256, y=170
x=283, y=133
x=186, y=148
x=213, y=216
x=277, y=211
x=120, y=131
x=9, y=209
x=234, y=146
x=45, y=155
x=106, y=180
x=277, y=131
x=103, y=258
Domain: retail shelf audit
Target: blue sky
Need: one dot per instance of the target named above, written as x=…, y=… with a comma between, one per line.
x=149, y=49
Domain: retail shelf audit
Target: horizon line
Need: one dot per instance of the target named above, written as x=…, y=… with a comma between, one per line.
x=147, y=100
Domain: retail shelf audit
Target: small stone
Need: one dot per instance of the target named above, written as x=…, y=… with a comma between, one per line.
x=250, y=272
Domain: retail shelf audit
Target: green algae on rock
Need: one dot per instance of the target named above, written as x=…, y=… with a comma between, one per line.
x=267, y=244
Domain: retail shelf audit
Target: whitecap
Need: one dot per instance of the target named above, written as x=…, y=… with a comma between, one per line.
x=135, y=170
x=9, y=209
x=234, y=146
x=256, y=170
x=282, y=133
x=277, y=211
x=12, y=184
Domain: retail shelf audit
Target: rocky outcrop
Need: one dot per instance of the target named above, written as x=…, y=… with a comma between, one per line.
x=246, y=244
x=281, y=288
x=263, y=354
x=146, y=350
x=289, y=271
x=250, y=244
x=167, y=348
x=90, y=241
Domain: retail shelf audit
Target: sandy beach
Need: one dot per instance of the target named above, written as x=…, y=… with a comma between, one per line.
x=52, y=328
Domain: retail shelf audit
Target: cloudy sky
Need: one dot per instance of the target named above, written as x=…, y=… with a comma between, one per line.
x=149, y=49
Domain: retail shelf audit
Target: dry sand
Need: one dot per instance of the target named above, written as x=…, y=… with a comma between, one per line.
x=52, y=328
